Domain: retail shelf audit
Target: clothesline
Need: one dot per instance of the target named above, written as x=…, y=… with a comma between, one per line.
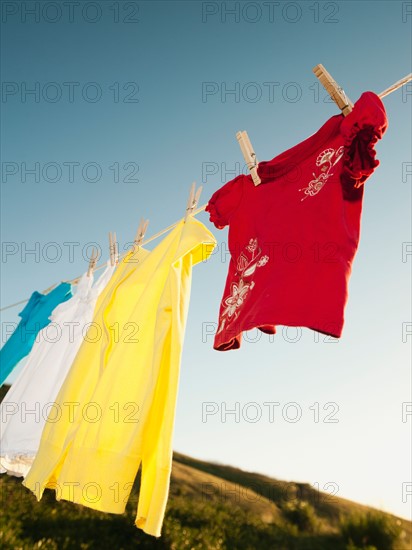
x=72, y=281
x=26, y=300
x=383, y=94
x=396, y=86
x=159, y=234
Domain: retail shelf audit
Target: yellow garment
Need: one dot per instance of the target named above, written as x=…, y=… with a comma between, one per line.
x=125, y=385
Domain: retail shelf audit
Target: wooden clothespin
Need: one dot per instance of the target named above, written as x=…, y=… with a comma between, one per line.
x=193, y=199
x=249, y=155
x=339, y=96
x=140, y=233
x=116, y=249
x=113, y=249
x=92, y=262
x=333, y=89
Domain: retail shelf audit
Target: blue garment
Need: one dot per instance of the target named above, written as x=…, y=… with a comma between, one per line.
x=34, y=317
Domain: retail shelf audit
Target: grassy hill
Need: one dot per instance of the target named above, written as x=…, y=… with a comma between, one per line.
x=210, y=507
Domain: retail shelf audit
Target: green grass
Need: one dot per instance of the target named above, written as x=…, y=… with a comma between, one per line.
x=372, y=530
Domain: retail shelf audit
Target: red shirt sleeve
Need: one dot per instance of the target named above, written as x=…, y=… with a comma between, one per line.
x=225, y=201
x=361, y=129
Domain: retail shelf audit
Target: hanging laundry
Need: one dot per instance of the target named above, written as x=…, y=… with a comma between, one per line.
x=34, y=317
x=293, y=238
x=125, y=384
x=24, y=409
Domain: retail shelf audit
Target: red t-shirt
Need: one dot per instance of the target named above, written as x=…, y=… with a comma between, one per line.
x=292, y=239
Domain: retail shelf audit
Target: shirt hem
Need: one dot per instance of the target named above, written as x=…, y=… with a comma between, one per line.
x=225, y=344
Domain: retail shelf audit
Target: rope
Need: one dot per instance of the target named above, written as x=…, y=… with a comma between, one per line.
x=159, y=234
x=395, y=86
x=16, y=304
x=74, y=281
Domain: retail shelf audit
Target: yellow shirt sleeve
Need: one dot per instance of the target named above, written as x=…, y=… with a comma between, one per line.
x=157, y=448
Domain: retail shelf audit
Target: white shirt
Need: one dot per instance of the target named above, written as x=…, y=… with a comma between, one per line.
x=27, y=404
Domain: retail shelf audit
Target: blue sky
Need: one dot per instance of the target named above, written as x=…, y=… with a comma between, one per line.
x=131, y=104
